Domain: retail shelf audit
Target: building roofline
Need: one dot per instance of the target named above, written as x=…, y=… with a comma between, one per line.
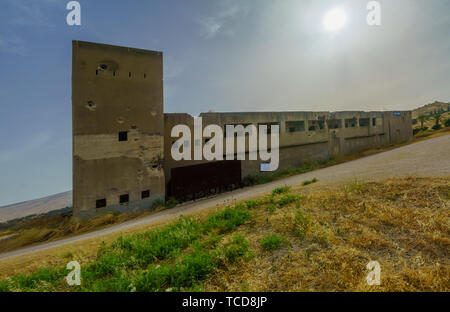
x=78, y=43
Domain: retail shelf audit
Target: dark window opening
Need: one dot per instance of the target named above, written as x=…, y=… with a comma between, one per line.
x=295, y=126
x=90, y=103
x=114, y=74
x=236, y=133
x=364, y=122
x=350, y=123
x=334, y=123
x=129, y=74
x=123, y=199
x=316, y=125
x=145, y=194
x=374, y=121
x=103, y=66
x=123, y=136
x=100, y=203
x=155, y=166
x=207, y=140
x=269, y=126
x=145, y=76
x=96, y=72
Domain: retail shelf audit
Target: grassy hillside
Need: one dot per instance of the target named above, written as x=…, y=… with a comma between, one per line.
x=289, y=240
x=36, y=206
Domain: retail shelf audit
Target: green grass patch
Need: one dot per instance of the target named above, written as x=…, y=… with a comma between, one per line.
x=235, y=248
x=228, y=220
x=308, y=182
x=272, y=242
x=281, y=190
x=177, y=256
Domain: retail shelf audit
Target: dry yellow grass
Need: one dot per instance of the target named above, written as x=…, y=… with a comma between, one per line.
x=404, y=224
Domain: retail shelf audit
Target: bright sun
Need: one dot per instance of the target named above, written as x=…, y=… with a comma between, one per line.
x=334, y=20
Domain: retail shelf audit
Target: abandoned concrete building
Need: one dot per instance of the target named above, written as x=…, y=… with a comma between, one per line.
x=122, y=138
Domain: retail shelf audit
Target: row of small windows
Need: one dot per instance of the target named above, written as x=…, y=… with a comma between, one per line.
x=292, y=127
x=115, y=74
x=123, y=199
x=316, y=125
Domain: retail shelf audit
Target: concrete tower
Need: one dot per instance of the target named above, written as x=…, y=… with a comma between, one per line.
x=118, y=128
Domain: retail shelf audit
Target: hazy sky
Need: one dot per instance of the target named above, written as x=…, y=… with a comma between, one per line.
x=221, y=55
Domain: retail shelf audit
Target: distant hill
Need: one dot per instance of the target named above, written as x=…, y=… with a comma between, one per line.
x=430, y=109
x=36, y=206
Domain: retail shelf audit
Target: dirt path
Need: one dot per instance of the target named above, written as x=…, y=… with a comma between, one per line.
x=426, y=158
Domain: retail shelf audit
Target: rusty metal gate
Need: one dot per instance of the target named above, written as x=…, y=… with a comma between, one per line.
x=196, y=181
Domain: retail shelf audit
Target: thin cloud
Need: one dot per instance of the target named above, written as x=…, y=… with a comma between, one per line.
x=220, y=23
x=12, y=44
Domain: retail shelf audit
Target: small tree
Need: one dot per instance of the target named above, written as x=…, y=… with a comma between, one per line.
x=437, y=119
x=422, y=120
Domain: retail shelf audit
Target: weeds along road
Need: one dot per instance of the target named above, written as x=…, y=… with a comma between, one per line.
x=426, y=158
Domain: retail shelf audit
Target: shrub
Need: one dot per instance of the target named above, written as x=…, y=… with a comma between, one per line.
x=228, y=219
x=193, y=267
x=272, y=242
x=271, y=208
x=250, y=204
x=286, y=200
x=437, y=127
x=308, y=182
x=172, y=202
x=4, y=286
x=117, y=283
x=415, y=131
x=36, y=279
x=447, y=123
x=156, y=278
x=280, y=190
x=425, y=128
x=157, y=203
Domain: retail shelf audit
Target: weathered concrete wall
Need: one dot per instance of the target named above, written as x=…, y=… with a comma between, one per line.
x=343, y=133
x=116, y=89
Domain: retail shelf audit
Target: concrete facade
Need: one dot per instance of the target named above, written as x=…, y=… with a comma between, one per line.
x=119, y=90
x=118, y=128
x=342, y=133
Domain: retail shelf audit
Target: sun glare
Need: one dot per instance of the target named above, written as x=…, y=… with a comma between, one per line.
x=334, y=20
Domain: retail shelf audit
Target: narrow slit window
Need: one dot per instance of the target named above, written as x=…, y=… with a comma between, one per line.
x=123, y=199
x=145, y=194
x=100, y=203
x=123, y=136
x=374, y=122
x=129, y=74
x=145, y=76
